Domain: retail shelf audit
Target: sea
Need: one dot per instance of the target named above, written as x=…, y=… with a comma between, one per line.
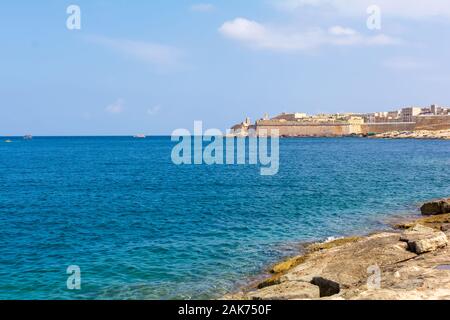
x=136, y=226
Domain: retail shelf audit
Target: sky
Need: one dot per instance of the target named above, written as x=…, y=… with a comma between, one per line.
x=155, y=66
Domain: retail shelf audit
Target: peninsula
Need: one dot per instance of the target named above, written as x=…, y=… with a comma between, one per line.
x=402, y=123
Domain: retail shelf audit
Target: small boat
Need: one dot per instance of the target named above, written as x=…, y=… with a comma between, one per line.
x=140, y=136
x=8, y=141
x=28, y=137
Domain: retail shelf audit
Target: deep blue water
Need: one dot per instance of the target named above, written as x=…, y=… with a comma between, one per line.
x=140, y=227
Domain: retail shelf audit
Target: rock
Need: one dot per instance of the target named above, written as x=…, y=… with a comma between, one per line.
x=445, y=206
x=417, y=134
x=347, y=265
x=274, y=280
x=348, y=269
x=435, y=222
x=331, y=244
x=327, y=287
x=423, y=239
x=288, y=264
x=417, y=295
x=415, y=279
x=431, y=208
x=327, y=271
x=234, y=296
x=289, y=290
x=431, y=243
x=436, y=207
x=416, y=232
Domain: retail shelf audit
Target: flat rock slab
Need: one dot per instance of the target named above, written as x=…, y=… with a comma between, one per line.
x=348, y=265
x=416, y=279
x=289, y=290
x=414, y=264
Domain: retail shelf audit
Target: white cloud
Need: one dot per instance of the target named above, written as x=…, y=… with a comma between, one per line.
x=152, y=53
x=153, y=110
x=202, y=7
x=259, y=36
x=116, y=107
x=405, y=63
x=341, y=31
x=415, y=9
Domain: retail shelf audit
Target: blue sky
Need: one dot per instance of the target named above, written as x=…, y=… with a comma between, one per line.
x=155, y=66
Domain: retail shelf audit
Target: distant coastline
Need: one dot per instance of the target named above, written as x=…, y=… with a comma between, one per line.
x=409, y=119
x=419, y=134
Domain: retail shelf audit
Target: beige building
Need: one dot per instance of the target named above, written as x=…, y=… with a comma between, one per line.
x=290, y=116
x=409, y=113
x=393, y=115
x=355, y=120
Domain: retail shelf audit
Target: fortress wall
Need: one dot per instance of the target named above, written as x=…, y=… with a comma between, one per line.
x=295, y=129
x=433, y=123
x=308, y=130
x=355, y=129
x=387, y=127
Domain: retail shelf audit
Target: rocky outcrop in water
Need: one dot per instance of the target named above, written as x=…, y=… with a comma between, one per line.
x=436, y=207
x=409, y=264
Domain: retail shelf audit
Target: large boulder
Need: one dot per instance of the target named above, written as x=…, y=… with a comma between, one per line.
x=423, y=239
x=436, y=207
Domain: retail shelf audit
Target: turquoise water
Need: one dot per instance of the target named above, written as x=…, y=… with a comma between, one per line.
x=140, y=227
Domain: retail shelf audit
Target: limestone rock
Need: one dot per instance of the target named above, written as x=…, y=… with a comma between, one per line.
x=436, y=222
x=288, y=264
x=388, y=294
x=289, y=290
x=417, y=134
x=328, y=288
x=416, y=232
x=415, y=279
x=347, y=265
x=234, y=296
x=445, y=206
x=423, y=239
x=327, y=272
x=436, y=207
x=432, y=243
x=331, y=244
x=406, y=266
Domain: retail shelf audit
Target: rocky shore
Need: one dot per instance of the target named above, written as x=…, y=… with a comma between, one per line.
x=411, y=262
x=419, y=134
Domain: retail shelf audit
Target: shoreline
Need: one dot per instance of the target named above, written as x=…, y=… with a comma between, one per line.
x=390, y=135
x=409, y=261
x=417, y=134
